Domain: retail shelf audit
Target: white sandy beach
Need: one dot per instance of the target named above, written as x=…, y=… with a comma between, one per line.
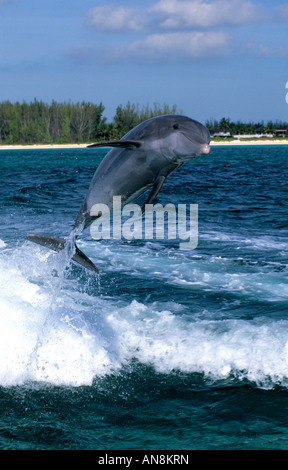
x=79, y=146
x=42, y=146
x=251, y=142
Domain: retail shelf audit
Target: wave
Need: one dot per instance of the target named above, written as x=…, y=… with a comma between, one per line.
x=60, y=329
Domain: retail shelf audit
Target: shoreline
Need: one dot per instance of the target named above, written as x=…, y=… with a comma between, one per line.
x=42, y=146
x=80, y=146
x=251, y=142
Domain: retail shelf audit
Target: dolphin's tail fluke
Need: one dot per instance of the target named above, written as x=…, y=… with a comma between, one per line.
x=58, y=244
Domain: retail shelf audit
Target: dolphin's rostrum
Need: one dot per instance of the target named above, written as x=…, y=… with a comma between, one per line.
x=141, y=160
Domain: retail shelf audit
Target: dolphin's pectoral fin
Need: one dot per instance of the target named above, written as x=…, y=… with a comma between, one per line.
x=155, y=190
x=118, y=143
x=58, y=244
x=158, y=185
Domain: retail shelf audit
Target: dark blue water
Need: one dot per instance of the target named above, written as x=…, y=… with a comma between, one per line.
x=166, y=349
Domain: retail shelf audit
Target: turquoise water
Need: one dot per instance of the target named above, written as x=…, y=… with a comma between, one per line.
x=165, y=349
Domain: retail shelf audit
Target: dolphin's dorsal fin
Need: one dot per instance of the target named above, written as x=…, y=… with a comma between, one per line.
x=118, y=143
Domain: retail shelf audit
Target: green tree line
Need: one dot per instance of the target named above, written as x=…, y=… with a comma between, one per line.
x=61, y=123
x=225, y=125
x=39, y=122
x=42, y=123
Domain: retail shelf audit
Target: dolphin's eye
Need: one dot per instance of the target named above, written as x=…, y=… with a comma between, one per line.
x=176, y=126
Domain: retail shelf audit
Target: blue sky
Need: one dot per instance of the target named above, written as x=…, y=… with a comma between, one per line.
x=212, y=58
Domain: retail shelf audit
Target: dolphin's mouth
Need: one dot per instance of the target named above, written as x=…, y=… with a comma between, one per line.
x=205, y=149
x=204, y=146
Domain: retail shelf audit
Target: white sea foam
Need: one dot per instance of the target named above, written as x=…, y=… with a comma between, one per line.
x=52, y=332
x=2, y=244
x=261, y=242
x=188, y=269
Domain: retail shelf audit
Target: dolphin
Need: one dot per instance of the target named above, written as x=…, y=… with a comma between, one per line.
x=139, y=161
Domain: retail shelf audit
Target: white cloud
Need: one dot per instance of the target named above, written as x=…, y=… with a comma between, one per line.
x=262, y=50
x=268, y=51
x=174, y=47
x=115, y=18
x=281, y=11
x=177, y=30
x=203, y=13
x=174, y=14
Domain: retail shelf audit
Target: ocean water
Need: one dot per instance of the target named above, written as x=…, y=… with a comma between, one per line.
x=165, y=349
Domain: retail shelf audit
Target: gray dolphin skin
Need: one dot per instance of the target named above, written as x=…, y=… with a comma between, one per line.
x=140, y=161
